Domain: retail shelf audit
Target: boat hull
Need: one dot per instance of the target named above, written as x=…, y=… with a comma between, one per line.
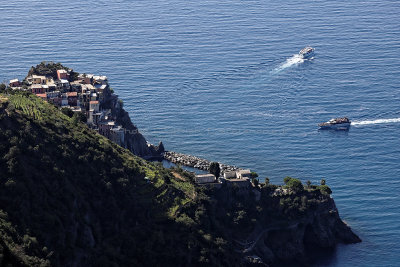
x=307, y=55
x=339, y=126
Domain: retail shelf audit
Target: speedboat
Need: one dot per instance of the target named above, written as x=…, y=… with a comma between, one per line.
x=307, y=52
x=336, y=124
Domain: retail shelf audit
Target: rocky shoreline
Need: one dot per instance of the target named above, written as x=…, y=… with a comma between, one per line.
x=196, y=162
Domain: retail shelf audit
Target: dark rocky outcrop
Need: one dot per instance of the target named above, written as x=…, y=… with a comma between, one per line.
x=279, y=233
x=321, y=229
x=134, y=140
x=71, y=197
x=195, y=162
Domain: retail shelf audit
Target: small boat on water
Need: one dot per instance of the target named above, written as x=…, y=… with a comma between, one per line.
x=336, y=124
x=307, y=52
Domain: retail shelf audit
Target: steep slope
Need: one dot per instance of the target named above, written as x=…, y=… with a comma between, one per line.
x=135, y=141
x=71, y=197
x=84, y=199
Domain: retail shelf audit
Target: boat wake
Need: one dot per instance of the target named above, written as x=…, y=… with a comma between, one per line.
x=379, y=121
x=294, y=60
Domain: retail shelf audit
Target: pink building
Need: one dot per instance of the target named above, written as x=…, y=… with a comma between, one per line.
x=38, y=89
x=14, y=83
x=62, y=74
x=94, y=105
x=72, y=98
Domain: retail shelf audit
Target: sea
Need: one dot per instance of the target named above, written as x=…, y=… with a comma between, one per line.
x=221, y=79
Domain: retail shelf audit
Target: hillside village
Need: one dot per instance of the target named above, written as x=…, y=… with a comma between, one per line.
x=92, y=96
x=86, y=93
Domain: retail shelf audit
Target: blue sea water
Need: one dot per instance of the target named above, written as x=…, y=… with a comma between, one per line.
x=218, y=79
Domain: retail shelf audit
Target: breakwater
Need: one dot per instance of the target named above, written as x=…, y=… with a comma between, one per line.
x=196, y=162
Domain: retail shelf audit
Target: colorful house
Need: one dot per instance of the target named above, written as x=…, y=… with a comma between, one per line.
x=38, y=89
x=62, y=74
x=15, y=83
x=94, y=105
x=72, y=98
x=36, y=79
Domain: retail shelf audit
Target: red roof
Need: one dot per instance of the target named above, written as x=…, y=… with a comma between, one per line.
x=94, y=102
x=42, y=95
x=72, y=94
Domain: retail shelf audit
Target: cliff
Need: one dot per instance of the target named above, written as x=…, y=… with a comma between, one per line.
x=133, y=139
x=274, y=225
x=297, y=241
x=71, y=197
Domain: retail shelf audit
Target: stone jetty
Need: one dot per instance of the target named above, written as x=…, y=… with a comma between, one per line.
x=196, y=162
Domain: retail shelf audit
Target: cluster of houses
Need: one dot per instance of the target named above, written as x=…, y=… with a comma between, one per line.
x=85, y=94
x=240, y=178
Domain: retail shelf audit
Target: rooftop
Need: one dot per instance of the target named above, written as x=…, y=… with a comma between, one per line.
x=38, y=77
x=72, y=94
x=205, y=175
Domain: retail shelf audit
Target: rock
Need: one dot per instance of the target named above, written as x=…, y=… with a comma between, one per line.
x=320, y=229
x=196, y=162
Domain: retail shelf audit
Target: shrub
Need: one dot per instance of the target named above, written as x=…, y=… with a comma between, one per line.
x=287, y=179
x=295, y=185
x=325, y=190
x=215, y=169
x=253, y=175
x=67, y=112
x=79, y=117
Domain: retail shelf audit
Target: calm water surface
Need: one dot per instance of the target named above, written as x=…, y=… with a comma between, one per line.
x=218, y=79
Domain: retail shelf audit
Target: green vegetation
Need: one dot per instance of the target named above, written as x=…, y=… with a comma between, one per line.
x=293, y=184
x=253, y=175
x=50, y=69
x=69, y=196
x=325, y=189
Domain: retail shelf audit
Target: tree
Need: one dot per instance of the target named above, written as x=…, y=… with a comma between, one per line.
x=287, y=179
x=215, y=169
x=67, y=111
x=308, y=184
x=2, y=87
x=323, y=182
x=79, y=117
x=295, y=185
x=325, y=190
x=253, y=175
x=266, y=180
x=256, y=182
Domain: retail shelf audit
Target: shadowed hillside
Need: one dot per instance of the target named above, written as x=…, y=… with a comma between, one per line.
x=71, y=197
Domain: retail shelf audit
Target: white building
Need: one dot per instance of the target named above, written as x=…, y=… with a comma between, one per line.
x=230, y=175
x=241, y=174
x=205, y=178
